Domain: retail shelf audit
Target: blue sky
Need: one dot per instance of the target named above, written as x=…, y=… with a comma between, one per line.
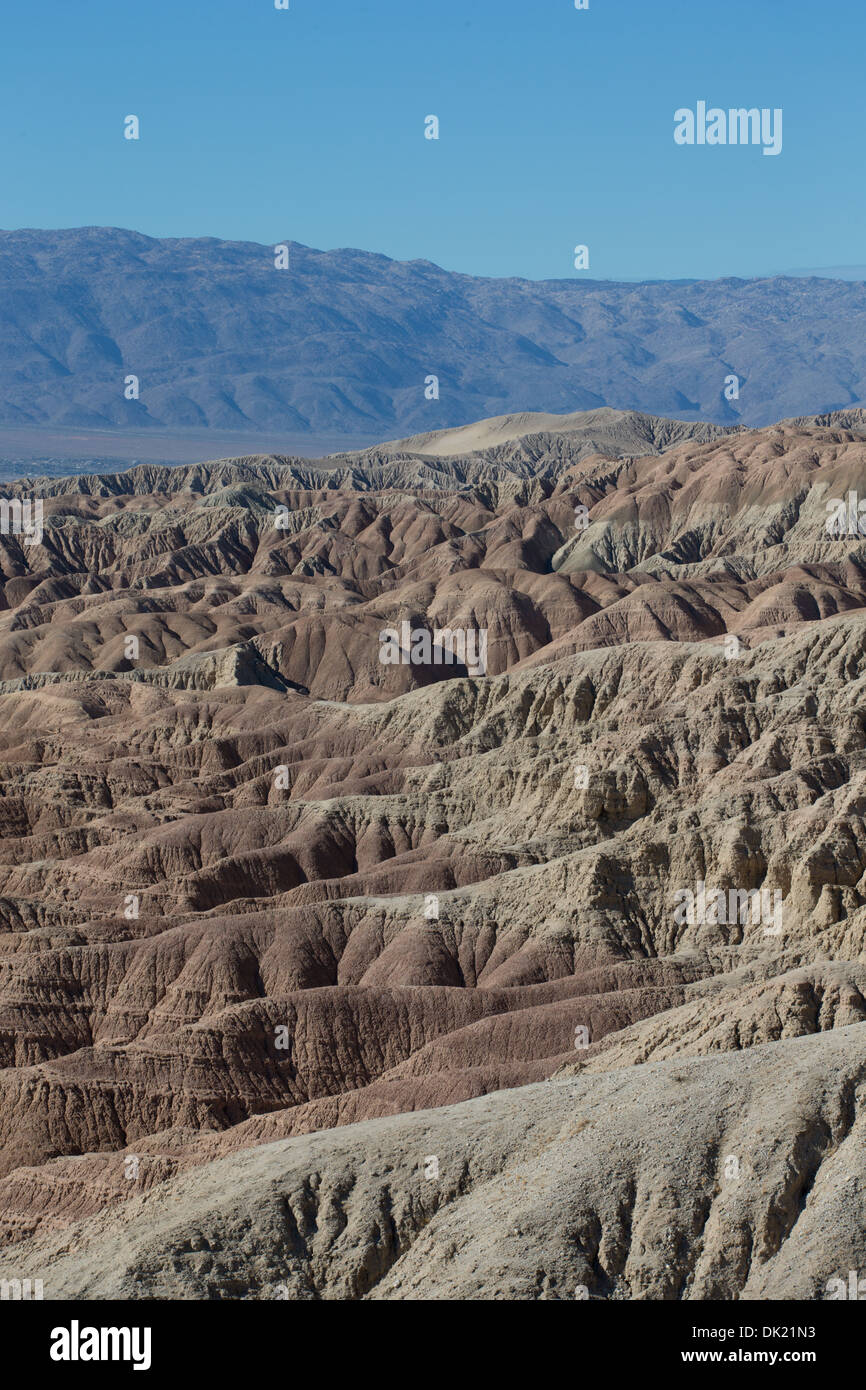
x=556, y=128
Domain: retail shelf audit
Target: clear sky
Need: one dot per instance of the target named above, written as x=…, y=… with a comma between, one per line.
x=556, y=128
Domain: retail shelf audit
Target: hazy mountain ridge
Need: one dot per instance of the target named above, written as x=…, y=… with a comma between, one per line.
x=219, y=338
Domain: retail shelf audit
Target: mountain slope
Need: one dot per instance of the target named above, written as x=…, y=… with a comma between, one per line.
x=732, y=1177
x=344, y=341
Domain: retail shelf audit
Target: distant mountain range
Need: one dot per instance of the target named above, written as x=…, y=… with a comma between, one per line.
x=834, y=272
x=345, y=342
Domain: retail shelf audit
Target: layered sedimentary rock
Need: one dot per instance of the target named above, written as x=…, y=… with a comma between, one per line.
x=256, y=885
x=732, y=1177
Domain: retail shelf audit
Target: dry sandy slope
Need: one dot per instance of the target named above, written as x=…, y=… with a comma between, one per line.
x=623, y=1184
x=620, y=431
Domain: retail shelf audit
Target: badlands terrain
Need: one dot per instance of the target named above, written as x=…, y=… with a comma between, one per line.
x=322, y=978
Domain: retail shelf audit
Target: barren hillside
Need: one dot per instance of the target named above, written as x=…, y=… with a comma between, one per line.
x=282, y=923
